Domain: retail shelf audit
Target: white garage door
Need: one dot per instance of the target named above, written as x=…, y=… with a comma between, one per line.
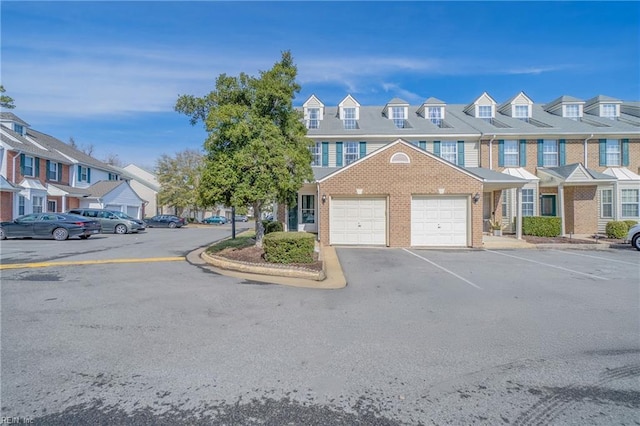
x=358, y=221
x=132, y=211
x=439, y=221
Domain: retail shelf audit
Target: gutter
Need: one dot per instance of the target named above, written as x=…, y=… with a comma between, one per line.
x=586, y=157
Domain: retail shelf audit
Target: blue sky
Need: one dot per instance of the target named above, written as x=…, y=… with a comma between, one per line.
x=109, y=73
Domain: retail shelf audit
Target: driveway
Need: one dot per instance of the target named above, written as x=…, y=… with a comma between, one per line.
x=417, y=337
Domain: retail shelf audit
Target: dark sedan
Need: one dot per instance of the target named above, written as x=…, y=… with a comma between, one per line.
x=165, y=221
x=59, y=226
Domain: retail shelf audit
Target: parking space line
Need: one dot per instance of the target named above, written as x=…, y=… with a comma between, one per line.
x=87, y=262
x=595, y=257
x=550, y=265
x=444, y=269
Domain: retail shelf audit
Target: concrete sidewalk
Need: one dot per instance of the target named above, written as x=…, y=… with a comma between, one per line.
x=491, y=242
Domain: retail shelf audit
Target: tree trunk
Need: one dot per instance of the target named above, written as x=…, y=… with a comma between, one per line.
x=257, y=213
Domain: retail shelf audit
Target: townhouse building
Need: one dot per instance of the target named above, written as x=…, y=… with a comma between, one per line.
x=43, y=174
x=436, y=174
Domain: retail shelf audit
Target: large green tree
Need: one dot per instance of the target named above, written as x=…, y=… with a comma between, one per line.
x=257, y=151
x=5, y=100
x=179, y=177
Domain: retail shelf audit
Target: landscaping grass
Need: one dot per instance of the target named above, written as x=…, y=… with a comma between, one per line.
x=246, y=239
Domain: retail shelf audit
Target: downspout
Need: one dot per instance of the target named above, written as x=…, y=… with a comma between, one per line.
x=14, y=165
x=586, y=157
x=491, y=152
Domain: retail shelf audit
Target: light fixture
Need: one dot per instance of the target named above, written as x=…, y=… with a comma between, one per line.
x=476, y=198
x=324, y=198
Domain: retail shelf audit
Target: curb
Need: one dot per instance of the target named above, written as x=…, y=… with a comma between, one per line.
x=233, y=265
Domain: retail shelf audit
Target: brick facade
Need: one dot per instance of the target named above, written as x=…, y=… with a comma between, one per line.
x=6, y=206
x=581, y=209
x=424, y=175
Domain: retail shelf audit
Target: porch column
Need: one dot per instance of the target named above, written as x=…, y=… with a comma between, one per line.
x=614, y=202
x=519, y=213
x=561, y=208
x=64, y=203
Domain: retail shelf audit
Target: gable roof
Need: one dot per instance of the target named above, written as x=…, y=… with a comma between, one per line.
x=103, y=187
x=9, y=116
x=574, y=173
x=7, y=186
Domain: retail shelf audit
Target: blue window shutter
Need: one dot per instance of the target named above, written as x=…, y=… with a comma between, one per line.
x=363, y=149
x=46, y=174
x=22, y=164
x=461, y=153
x=540, y=153
x=79, y=178
x=88, y=175
x=523, y=153
x=500, y=153
x=36, y=160
x=338, y=154
x=422, y=145
x=436, y=148
x=603, y=152
x=325, y=154
x=562, y=152
x=625, y=152
x=59, y=172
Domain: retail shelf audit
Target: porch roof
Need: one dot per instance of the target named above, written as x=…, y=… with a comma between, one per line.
x=621, y=173
x=61, y=190
x=32, y=184
x=495, y=181
x=7, y=186
x=572, y=174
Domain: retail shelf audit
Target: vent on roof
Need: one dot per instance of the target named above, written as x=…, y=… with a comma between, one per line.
x=538, y=123
x=593, y=123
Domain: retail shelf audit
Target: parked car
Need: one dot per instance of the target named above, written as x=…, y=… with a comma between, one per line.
x=141, y=223
x=110, y=220
x=59, y=226
x=633, y=236
x=241, y=218
x=221, y=220
x=165, y=221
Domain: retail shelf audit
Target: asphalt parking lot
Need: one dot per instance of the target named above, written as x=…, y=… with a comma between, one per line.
x=417, y=337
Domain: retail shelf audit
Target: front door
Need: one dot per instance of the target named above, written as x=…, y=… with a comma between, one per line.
x=548, y=205
x=293, y=219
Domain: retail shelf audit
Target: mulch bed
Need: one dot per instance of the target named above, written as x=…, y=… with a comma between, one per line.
x=255, y=255
x=565, y=240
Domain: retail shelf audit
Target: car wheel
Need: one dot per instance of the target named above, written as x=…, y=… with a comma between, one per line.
x=2, y=234
x=636, y=242
x=172, y=224
x=120, y=229
x=60, y=234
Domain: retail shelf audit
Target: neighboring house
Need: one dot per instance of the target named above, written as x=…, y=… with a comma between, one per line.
x=50, y=174
x=145, y=184
x=435, y=174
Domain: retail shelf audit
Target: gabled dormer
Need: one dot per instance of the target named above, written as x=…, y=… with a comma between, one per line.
x=313, y=112
x=484, y=107
x=566, y=107
x=434, y=110
x=520, y=107
x=398, y=111
x=349, y=112
x=13, y=122
x=603, y=106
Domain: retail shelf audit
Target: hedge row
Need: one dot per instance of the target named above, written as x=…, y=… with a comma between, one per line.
x=619, y=228
x=541, y=226
x=288, y=247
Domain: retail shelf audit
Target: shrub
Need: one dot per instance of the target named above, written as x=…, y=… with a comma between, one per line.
x=616, y=229
x=273, y=227
x=541, y=226
x=289, y=247
x=630, y=223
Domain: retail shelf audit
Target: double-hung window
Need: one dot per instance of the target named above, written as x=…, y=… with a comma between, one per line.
x=350, y=118
x=351, y=152
x=630, y=202
x=316, y=154
x=613, y=152
x=38, y=204
x=28, y=165
x=21, y=203
x=511, y=153
x=572, y=111
x=308, y=209
x=52, y=170
x=521, y=112
x=527, y=202
x=435, y=115
x=83, y=174
x=314, y=118
x=397, y=114
x=448, y=151
x=609, y=111
x=18, y=128
x=485, y=112
x=606, y=203
x=550, y=153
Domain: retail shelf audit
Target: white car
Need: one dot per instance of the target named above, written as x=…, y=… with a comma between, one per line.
x=634, y=236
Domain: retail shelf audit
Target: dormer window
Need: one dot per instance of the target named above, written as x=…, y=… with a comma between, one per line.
x=521, y=112
x=398, y=116
x=349, y=112
x=314, y=118
x=18, y=128
x=609, y=111
x=603, y=106
x=485, y=112
x=313, y=112
x=349, y=120
x=572, y=111
x=435, y=115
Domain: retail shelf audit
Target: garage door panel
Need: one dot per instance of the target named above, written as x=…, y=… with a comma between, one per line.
x=358, y=221
x=439, y=221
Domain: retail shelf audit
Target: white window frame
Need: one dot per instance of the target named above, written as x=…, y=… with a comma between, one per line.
x=606, y=203
x=521, y=112
x=449, y=151
x=550, y=152
x=572, y=111
x=38, y=204
x=316, y=154
x=630, y=202
x=528, y=202
x=511, y=153
x=29, y=170
x=351, y=152
x=53, y=203
x=613, y=150
x=398, y=116
x=485, y=112
x=504, y=203
x=349, y=120
x=83, y=175
x=314, y=118
x=52, y=172
x=307, y=208
x=609, y=111
x=435, y=114
x=22, y=202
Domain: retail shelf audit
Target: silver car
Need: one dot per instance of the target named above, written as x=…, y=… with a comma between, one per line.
x=110, y=220
x=633, y=236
